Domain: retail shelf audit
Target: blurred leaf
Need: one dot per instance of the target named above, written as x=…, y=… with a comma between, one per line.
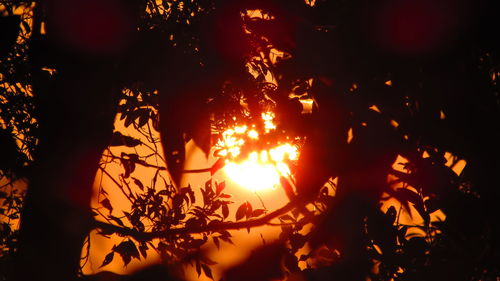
x=216, y=242
x=207, y=271
x=198, y=268
x=291, y=262
x=258, y=212
x=208, y=261
x=287, y=218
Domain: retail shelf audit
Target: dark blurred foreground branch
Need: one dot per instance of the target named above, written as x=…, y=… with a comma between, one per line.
x=144, y=236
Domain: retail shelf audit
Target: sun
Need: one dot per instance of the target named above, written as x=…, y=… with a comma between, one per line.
x=254, y=167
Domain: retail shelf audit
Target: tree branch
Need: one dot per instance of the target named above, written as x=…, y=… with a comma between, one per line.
x=145, y=236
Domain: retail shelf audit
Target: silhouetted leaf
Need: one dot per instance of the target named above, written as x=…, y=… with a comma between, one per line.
x=207, y=271
x=391, y=214
x=225, y=210
x=119, y=139
x=108, y=259
x=143, y=249
x=216, y=242
x=404, y=196
x=208, y=261
x=117, y=220
x=258, y=212
x=143, y=117
x=208, y=186
x=220, y=187
x=138, y=183
x=224, y=195
x=127, y=251
x=198, y=268
x=249, y=211
x=241, y=212
x=106, y=204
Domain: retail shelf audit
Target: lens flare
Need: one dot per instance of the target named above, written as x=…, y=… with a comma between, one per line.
x=260, y=169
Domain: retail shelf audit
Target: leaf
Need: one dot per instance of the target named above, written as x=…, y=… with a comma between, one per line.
x=191, y=196
x=216, y=242
x=138, y=183
x=258, y=212
x=143, y=249
x=408, y=195
x=207, y=271
x=208, y=261
x=225, y=210
x=404, y=196
x=108, y=259
x=249, y=211
x=241, y=212
x=127, y=250
x=118, y=139
x=391, y=214
x=198, y=268
x=106, y=204
x=128, y=120
x=117, y=220
x=224, y=195
x=208, y=187
x=220, y=187
x=128, y=165
x=226, y=239
x=143, y=117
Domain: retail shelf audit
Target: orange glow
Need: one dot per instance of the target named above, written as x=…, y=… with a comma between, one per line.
x=261, y=169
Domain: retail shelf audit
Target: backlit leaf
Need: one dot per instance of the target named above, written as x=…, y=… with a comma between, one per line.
x=241, y=212
x=225, y=210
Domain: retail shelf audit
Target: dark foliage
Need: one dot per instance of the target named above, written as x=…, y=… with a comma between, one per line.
x=389, y=80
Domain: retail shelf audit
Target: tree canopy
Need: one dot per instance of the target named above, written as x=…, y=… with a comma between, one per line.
x=384, y=101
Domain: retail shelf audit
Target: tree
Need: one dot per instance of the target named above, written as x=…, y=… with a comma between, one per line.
x=390, y=80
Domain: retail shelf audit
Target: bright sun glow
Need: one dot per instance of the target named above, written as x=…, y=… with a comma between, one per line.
x=260, y=169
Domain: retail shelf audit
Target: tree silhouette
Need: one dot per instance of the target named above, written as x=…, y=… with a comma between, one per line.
x=397, y=88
